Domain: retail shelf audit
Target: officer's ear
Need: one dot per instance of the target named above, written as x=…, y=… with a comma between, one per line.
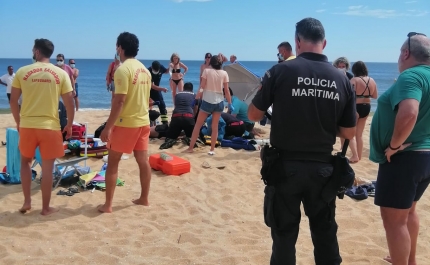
x=324, y=43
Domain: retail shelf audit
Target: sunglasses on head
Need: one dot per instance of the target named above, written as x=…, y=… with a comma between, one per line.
x=410, y=35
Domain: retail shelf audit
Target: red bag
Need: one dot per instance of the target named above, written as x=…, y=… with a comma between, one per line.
x=78, y=131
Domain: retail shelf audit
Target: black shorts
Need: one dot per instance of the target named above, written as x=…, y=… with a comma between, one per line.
x=249, y=126
x=179, y=124
x=404, y=180
x=235, y=130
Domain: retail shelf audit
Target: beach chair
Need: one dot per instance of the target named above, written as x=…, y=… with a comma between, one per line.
x=63, y=168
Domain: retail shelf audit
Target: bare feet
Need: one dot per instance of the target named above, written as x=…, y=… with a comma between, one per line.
x=141, y=201
x=49, y=211
x=387, y=259
x=353, y=160
x=25, y=207
x=104, y=208
x=188, y=151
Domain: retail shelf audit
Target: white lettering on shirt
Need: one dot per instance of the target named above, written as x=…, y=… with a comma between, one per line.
x=322, y=89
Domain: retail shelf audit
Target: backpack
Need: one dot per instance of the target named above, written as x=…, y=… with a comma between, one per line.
x=99, y=130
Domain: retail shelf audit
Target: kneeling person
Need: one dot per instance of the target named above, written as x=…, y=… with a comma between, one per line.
x=182, y=117
x=234, y=127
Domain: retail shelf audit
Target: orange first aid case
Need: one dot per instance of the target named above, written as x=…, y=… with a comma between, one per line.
x=177, y=166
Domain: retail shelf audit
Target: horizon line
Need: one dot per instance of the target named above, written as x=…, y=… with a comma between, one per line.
x=182, y=60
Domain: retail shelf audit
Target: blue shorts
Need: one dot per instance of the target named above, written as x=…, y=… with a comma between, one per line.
x=76, y=90
x=404, y=180
x=111, y=87
x=211, y=108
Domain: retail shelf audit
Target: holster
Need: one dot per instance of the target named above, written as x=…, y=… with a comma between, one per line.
x=270, y=156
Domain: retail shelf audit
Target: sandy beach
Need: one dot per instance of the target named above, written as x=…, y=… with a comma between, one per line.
x=208, y=216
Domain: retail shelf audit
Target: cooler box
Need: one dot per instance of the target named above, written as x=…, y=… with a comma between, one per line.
x=177, y=166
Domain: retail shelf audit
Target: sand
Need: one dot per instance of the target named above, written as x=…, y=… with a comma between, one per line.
x=208, y=216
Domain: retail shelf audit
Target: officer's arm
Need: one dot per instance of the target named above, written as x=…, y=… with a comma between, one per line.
x=255, y=114
x=264, y=97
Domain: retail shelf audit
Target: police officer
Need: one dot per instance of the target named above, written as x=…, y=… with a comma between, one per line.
x=312, y=104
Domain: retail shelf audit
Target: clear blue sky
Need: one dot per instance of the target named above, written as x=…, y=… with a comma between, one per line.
x=372, y=31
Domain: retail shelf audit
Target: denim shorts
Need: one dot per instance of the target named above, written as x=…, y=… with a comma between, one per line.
x=211, y=108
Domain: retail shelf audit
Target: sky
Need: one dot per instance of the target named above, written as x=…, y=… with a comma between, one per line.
x=367, y=30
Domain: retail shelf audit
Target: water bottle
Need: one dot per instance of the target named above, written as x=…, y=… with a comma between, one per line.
x=104, y=167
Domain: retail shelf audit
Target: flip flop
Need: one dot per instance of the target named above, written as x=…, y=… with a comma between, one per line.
x=3, y=143
x=65, y=192
x=211, y=153
x=74, y=190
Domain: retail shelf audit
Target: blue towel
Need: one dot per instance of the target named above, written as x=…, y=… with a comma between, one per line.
x=13, y=156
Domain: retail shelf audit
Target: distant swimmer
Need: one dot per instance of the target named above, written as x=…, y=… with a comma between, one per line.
x=176, y=77
x=72, y=65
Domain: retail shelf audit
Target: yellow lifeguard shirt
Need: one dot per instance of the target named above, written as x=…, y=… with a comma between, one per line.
x=41, y=86
x=133, y=80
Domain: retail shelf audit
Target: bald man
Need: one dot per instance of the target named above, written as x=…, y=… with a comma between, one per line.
x=400, y=144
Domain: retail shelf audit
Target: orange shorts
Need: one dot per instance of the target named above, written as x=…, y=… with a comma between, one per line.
x=50, y=143
x=126, y=140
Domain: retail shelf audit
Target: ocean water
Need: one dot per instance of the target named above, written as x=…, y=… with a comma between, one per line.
x=92, y=84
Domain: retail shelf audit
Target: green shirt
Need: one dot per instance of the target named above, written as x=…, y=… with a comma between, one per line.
x=413, y=83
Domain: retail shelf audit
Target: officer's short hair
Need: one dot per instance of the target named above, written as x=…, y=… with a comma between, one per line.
x=310, y=29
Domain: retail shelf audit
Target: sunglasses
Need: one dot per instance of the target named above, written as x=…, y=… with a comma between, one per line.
x=59, y=60
x=208, y=57
x=411, y=34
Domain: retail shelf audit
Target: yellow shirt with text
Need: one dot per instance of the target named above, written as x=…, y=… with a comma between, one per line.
x=41, y=85
x=133, y=80
x=290, y=58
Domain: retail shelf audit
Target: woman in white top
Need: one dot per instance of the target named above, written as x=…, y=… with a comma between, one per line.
x=213, y=81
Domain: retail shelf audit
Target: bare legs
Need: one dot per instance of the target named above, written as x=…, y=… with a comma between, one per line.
x=361, y=123
x=145, y=177
x=401, y=229
x=26, y=183
x=196, y=131
x=110, y=178
x=76, y=103
x=46, y=185
x=214, y=133
x=173, y=87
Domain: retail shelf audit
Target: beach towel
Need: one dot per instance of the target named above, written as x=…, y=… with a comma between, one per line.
x=13, y=156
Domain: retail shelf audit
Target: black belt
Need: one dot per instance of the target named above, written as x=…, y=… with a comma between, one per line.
x=306, y=156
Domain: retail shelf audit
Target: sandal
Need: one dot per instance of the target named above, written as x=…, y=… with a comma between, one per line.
x=65, y=192
x=3, y=143
x=74, y=190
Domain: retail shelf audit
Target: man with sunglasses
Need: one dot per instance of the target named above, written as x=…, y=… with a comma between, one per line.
x=285, y=52
x=68, y=69
x=400, y=144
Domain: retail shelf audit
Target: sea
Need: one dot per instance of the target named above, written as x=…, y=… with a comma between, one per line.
x=94, y=95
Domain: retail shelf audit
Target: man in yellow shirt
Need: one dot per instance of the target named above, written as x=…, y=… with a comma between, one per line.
x=127, y=128
x=285, y=52
x=41, y=84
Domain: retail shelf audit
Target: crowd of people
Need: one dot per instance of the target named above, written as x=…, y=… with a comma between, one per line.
x=305, y=123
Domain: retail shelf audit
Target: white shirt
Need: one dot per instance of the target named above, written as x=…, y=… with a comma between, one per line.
x=7, y=79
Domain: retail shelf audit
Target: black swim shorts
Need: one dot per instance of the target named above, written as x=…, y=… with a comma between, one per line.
x=404, y=180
